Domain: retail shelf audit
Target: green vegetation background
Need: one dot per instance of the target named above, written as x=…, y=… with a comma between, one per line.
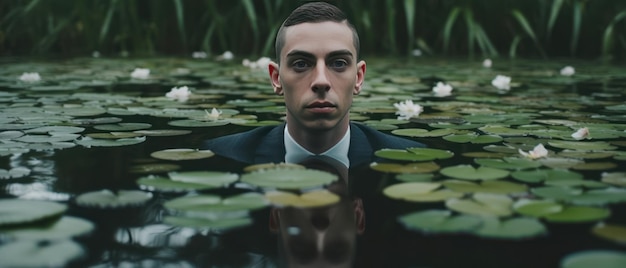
x=593, y=29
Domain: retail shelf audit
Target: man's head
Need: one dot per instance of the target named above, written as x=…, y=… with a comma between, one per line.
x=314, y=12
x=318, y=74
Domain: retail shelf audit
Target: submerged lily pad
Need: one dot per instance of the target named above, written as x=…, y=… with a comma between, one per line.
x=468, y=172
x=17, y=211
x=439, y=221
x=594, y=258
x=288, y=178
x=310, y=199
x=182, y=154
x=33, y=253
x=108, y=199
x=65, y=227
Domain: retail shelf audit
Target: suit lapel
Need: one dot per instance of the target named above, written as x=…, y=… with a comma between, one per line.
x=272, y=147
x=360, y=151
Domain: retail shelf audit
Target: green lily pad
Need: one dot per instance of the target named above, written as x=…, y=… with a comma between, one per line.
x=402, y=190
x=594, y=258
x=515, y=228
x=577, y=214
x=316, y=198
x=162, y=132
x=198, y=123
x=439, y=221
x=514, y=163
x=540, y=175
x=153, y=168
x=123, y=126
x=65, y=227
x=595, y=166
x=536, y=208
x=560, y=163
x=468, y=172
x=89, y=142
x=557, y=192
x=33, y=253
x=411, y=168
x=221, y=224
x=483, y=204
x=600, y=197
x=576, y=183
x=17, y=211
x=162, y=184
x=182, y=154
x=414, y=177
x=107, y=199
x=418, y=132
x=611, y=232
x=113, y=135
x=585, y=154
x=495, y=187
x=414, y=154
x=614, y=178
x=473, y=138
x=54, y=129
x=582, y=145
x=288, y=178
x=14, y=173
x=213, y=203
x=205, y=177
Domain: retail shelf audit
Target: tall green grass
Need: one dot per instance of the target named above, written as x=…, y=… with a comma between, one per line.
x=485, y=28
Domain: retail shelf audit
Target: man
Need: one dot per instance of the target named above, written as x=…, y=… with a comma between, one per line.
x=318, y=73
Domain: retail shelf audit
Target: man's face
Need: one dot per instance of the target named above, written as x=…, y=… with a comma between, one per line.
x=318, y=75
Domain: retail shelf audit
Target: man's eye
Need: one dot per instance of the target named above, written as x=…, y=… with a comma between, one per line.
x=300, y=65
x=338, y=64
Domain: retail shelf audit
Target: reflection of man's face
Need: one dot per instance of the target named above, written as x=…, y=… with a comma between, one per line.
x=319, y=237
x=318, y=74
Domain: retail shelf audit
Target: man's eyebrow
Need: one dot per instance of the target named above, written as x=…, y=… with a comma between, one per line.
x=301, y=53
x=343, y=52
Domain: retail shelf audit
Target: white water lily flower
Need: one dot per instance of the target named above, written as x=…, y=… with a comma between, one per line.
x=30, y=77
x=568, y=71
x=140, y=73
x=538, y=152
x=261, y=63
x=227, y=55
x=179, y=93
x=95, y=54
x=442, y=90
x=416, y=52
x=487, y=63
x=199, y=55
x=502, y=82
x=214, y=114
x=407, y=110
x=581, y=134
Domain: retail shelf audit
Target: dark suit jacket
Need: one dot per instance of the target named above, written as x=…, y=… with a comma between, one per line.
x=266, y=144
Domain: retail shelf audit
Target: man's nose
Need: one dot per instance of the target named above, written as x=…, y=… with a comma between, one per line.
x=320, y=79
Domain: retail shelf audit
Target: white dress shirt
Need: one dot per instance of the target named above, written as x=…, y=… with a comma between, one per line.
x=295, y=153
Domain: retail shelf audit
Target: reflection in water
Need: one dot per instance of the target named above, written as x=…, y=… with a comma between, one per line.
x=320, y=236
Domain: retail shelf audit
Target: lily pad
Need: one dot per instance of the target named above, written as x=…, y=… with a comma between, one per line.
x=402, y=190
x=468, y=172
x=495, y=187
x=153, y=168
x=582, y=145
x=536, y=208
x=205, y=177
x=89, y=142
x=611, y=232
x=221, y=224
x=439, y=221
x=14, y=173
x=540, y=175
x=163, y=184
x=472, y=138
x=17, y=211
x=310, y=199
x=213, y=203
x=594, y=258
x=412, y=168
x=108, y=199
x=614, y=178
x=515, y=228
x=514, y=163
x=414, y=154
x=33, y=253
x=414, y=177
x=288, y=178
x=578, y=214
x=182, y=154
x=418, y=132
x=65, y=227
x=482, y=204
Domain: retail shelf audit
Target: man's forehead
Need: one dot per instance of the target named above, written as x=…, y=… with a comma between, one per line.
x=330, y=33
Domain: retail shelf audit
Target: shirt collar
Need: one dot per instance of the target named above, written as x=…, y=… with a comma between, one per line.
x=295, y=153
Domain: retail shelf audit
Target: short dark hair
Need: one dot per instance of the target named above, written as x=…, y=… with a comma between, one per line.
x=314, y=12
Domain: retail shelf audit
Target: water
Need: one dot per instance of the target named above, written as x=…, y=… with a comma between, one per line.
x=547, y=106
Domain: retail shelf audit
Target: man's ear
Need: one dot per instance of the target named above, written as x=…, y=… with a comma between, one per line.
x=359, y=215
x=274, y=224
x=275, y=77
x=360, y=77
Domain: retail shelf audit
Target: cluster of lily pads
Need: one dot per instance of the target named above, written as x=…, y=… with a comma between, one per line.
x=492, y=190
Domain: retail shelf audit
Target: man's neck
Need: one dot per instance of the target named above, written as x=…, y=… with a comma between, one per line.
x=318, y=141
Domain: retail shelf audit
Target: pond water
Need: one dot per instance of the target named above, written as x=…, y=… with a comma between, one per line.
x=111, y=159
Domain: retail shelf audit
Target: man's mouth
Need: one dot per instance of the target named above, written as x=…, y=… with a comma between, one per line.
x=321, y=107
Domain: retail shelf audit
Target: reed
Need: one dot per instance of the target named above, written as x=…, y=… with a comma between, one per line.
x=523, y=28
